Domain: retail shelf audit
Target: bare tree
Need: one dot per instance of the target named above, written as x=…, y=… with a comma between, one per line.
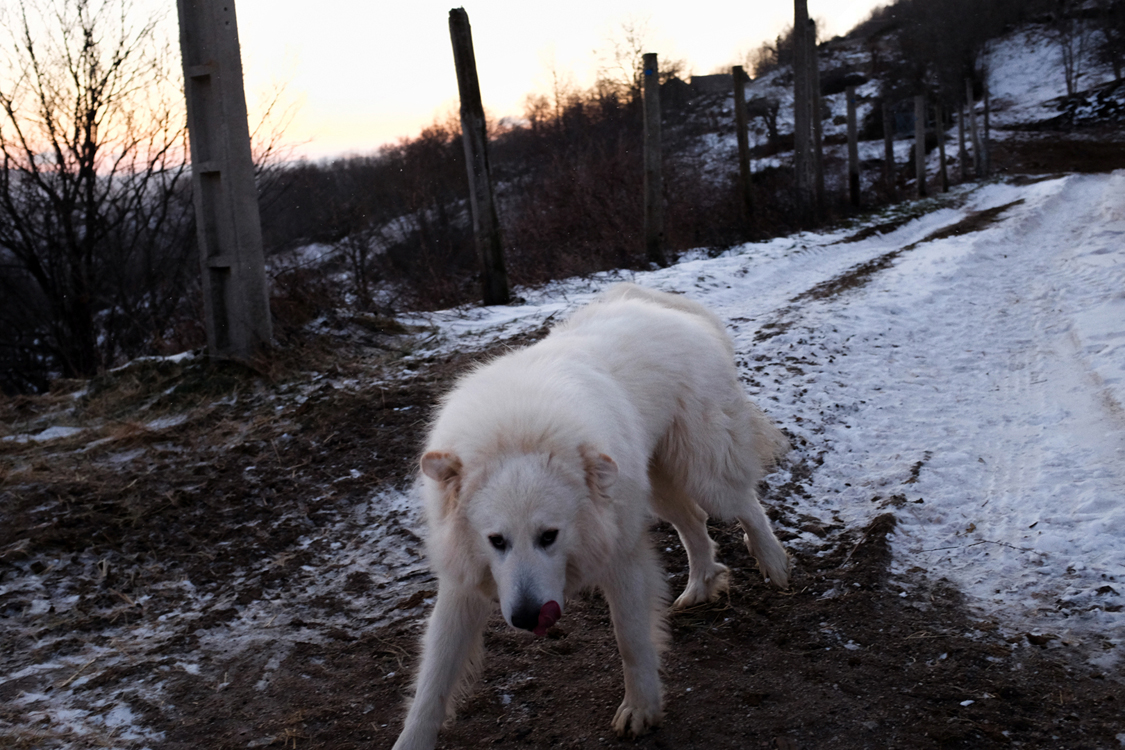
x=621, y=64
x=1070, y=35
x=95, y=211
x=771, y=55
x=766, y=108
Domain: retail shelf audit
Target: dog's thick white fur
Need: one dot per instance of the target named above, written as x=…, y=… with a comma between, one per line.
x=544, y=467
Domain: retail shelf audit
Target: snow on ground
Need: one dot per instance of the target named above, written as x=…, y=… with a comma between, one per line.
x=975, y=386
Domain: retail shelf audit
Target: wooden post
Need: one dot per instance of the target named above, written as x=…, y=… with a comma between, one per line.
x=816, y=105
x=474, y=135
x=804, y=171
x=889, y=151
x=973, y=133
x=985, y=156
x=236, y=300
x=738, y=77
x=654, y=181
x=939, y=128
x=853, y=149
x=962, y=154
x=920, y=143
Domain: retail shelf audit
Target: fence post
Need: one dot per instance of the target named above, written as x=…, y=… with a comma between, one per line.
x=974, y=134
x=853, y=149
x=889, y=151
x=985, y=155
x=740, y=124
x=962, y=154
x=236, y=299
x=815, y=106
x=474, y=135
x=939, y=128
x=920, y=143
x=804, y=171
x=654, y=181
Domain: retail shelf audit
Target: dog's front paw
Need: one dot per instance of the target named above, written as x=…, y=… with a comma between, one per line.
x=633, y=720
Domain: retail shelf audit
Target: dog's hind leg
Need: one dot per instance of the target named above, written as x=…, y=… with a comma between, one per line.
x=635, y=592
x=706, y=577
x=724, y=474
x=762, y=543
x=451, y=650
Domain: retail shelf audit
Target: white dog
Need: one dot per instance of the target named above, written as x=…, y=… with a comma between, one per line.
x=544, y=467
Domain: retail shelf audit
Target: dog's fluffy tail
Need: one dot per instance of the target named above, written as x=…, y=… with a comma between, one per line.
x=770, y=443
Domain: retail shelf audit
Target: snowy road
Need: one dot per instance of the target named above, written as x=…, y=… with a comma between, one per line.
x=966, y=370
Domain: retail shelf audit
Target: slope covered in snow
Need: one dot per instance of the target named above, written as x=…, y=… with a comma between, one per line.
x=1023, y=69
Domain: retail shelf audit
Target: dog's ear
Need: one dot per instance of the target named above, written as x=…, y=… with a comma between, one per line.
x=441, y=466
x=445, y=469
x=601, y=472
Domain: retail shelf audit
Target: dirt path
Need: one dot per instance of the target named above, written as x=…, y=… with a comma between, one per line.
x=219, y=582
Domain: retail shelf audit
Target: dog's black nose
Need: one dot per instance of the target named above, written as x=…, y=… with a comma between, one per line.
x=526, y=616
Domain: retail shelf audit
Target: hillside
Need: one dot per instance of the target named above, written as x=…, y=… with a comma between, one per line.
x=1036, y=127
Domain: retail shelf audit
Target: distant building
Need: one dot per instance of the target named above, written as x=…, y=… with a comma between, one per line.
x=720, y=83
x=675, y=94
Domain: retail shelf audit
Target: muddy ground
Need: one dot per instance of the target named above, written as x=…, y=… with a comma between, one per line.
x=850, y=657
x=205, y=502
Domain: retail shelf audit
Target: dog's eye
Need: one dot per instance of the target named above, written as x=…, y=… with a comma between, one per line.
x=547, y=538
x=498, y=542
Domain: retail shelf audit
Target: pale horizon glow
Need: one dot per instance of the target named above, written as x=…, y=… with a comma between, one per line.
x=362, y=75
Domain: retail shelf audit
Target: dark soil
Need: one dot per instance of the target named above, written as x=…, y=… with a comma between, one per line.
x=841, y=661
x=850, y=657
x=1085, y=150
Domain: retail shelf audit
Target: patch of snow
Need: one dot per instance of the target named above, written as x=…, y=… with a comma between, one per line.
x=164, y=423
x=51, y=433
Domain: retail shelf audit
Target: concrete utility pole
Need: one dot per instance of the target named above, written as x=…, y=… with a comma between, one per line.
x=853, y=149
x=236, y=300
x=654, y=180
x=738, y=75
x=474, y=134
x=920, y=143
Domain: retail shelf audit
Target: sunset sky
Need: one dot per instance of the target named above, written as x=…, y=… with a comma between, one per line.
x=362, y=74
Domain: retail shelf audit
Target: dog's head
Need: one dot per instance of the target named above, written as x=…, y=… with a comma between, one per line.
x=530, y=517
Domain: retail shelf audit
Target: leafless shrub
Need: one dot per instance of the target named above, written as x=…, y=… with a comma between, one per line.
x=95, y=211
x=1071, y=36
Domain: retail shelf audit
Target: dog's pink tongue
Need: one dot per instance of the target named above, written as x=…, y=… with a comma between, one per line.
x=548, y=616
